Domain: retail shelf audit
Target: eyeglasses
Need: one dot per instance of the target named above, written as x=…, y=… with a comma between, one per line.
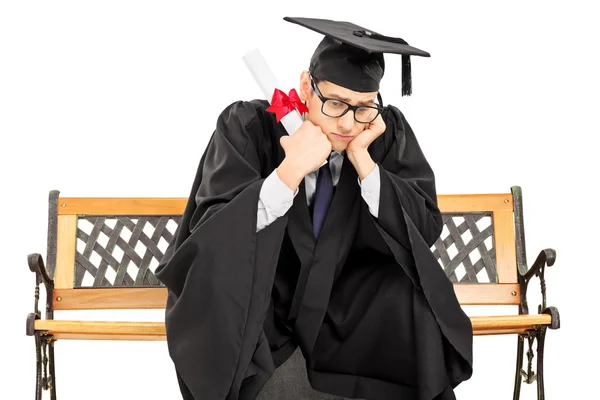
x=335, y=108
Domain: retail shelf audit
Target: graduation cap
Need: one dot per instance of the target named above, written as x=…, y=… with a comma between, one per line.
x=352, y=56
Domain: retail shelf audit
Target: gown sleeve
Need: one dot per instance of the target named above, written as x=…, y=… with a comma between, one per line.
x=218, y=270
x=407, y=184
x=410, y=222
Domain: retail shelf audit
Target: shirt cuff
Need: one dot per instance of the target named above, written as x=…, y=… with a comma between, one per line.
x=370, y=188
x=275, y=200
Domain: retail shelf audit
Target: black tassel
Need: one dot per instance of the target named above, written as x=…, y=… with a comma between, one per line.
x=406, y=73
x=406, y=76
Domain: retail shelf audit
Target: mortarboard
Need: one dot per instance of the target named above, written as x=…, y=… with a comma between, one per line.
x=352, y=56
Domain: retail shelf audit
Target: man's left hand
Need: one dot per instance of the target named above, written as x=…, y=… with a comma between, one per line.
x=357, y=149
x=365, y=138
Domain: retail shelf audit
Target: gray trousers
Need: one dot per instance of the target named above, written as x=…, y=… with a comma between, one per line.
x=289, y=382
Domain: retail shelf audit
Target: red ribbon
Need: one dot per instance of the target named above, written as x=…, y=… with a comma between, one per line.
x=282, y=104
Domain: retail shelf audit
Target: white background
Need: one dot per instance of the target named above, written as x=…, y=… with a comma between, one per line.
x=119, y=98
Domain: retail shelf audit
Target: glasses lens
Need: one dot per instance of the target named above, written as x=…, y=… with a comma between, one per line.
x=334, y=108
x=366, y=114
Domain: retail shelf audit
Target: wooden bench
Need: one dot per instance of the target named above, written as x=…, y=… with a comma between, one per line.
x=102, y=253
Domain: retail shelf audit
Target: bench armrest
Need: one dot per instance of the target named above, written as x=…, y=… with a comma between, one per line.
x=36, y=265
x=546, y=257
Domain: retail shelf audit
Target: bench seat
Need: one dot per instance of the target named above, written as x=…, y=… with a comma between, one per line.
x=123, y=330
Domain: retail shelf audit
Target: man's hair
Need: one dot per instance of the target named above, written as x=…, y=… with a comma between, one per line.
x=316, y=79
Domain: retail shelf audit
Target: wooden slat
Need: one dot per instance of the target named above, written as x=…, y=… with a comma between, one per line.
x=490, y=332
x=504, y=238
x=65, y=255
x=101, y=328
x=94, y=336
x=509, y=321
x=155, y=298
x=120, y=206
x=109, y=298
x=475, y=202
x=176, y=205
x=123, y=330
x=488, y=294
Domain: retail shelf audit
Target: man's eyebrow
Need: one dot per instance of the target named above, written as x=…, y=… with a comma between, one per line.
x=367, y=103
x=348, y=100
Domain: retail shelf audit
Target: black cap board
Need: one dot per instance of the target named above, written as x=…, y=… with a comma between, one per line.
x=352, y=56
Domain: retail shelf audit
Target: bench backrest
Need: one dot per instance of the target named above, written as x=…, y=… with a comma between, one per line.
x=102, y=252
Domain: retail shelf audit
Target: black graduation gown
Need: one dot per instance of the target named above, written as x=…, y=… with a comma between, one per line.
x=369, y=306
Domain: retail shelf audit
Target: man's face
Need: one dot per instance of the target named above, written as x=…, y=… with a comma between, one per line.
x=340, y=131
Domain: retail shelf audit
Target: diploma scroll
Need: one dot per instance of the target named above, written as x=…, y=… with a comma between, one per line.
x=268, y=84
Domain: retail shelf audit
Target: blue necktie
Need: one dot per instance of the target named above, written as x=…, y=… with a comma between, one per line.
x=323, y=197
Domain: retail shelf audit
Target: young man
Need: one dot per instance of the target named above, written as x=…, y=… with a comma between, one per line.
x=277, y=256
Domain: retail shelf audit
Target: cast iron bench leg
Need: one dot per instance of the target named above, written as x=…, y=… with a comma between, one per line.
x=530, y=376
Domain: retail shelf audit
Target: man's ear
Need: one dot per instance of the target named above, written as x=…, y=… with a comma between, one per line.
x=305, y=88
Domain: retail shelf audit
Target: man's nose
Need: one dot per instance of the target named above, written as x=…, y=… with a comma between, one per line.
x=346, y=122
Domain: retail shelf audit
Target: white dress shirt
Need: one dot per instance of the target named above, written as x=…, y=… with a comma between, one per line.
x=276, y=198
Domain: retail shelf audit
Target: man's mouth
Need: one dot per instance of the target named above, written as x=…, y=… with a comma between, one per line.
x=342, y=137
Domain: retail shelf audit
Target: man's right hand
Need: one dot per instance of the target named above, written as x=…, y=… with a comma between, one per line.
x=305, y=151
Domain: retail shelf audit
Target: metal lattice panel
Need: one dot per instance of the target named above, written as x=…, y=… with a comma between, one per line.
x=124, y=251
x=465, y=249
x=121, y=251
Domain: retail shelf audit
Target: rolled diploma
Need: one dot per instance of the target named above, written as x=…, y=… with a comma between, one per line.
x=268, y=83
